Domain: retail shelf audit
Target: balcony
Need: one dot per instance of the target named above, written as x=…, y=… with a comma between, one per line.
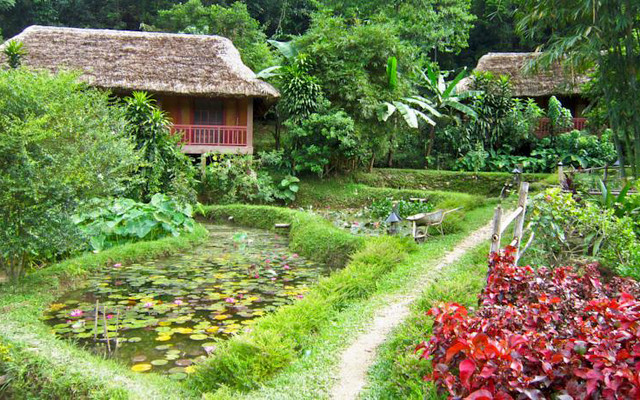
x=199, y=139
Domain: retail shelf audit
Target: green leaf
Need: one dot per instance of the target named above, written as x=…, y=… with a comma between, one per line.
x=287, y=49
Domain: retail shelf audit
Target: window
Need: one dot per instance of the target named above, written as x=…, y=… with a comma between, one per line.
x=208, y=112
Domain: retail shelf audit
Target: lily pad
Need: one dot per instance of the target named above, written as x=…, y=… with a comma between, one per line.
x=141, y=367
x=198, y=336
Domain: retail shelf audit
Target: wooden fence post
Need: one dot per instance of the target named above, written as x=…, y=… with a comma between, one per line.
x=519, y=221
x=561, y=174
x=497, y=229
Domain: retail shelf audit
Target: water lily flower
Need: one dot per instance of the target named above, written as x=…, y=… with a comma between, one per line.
x=117, y=265
x=257, y=276
x=178, y=302
x=295, y=255
x=274, y=278
x=300, y=296
x=209, y=349
x=267, y=261
x=76, y=313
x=148, y=304
x=109, y=316
x=286, y=266
x=230, y=300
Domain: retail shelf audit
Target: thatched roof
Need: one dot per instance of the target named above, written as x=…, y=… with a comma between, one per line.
x=554, y=81
x=177, y=64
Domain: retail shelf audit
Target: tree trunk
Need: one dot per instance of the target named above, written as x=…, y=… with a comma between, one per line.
x=432, y=138
x=621, y=156
x=373, y=159
x=276, y=132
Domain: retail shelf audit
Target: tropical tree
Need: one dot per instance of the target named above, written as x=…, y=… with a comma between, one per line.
x=603, y=36
x=60, y=144
x=14, y=50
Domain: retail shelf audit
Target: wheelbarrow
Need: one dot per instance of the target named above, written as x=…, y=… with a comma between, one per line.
x=421, y=223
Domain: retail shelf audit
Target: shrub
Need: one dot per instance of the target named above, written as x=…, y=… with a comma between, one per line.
x=60, y=143
x=539, y=334
x=233, y=179
x=109, y=222
x=567, y=230
x=381, y=208
x=322, y=143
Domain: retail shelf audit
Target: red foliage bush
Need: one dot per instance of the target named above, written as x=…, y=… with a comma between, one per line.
x=539, y=334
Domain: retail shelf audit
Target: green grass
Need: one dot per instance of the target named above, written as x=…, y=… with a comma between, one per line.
x=487, y=184
x=398, y=371
x=43, y=366
x=340, y=193
x=303, y=342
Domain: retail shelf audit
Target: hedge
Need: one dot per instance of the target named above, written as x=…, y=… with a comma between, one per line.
x=488, y=184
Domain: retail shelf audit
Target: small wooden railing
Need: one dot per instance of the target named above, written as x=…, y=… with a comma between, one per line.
x=212, y=135
x=544, y=126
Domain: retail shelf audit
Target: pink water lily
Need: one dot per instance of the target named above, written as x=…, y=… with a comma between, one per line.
x=209, y=349
x=109, y=316
x=300, y=296
x=178, y=302
x=76, y=313
x=267, y=261
x=286, y=266
x=230, y=300
x=257, y=276
x=117, y=265
x=295, y=255
x=274, y=278
x=148, y=304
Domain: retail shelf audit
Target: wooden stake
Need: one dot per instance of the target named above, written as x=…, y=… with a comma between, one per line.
x=106, y=331
x=117, y=326
x=519, y=222
x=497, y=222
x=95, y=325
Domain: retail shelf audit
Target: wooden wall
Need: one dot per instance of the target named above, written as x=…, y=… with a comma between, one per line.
x=180, y=109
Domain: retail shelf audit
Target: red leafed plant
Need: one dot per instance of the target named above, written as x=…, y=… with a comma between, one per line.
x=539, y=334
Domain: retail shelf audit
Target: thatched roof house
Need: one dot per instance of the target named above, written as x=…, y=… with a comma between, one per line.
x=199, y=80
x=539, y=84
x=542, y=83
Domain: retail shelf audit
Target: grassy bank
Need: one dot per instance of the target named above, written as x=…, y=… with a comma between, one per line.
x=310, y=235
x=398, y=371
x=488, y=184
x=41, y=366
x=292, y=353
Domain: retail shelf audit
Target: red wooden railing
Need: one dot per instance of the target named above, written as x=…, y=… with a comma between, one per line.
x=544, y=126
x=212, y=135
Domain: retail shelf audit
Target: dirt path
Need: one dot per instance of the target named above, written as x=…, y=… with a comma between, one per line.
x=358, y=357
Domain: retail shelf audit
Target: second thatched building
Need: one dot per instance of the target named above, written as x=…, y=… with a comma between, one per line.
x=200, y=81
x=539, y=85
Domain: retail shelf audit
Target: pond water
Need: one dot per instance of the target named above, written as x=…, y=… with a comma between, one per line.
x=165, y=314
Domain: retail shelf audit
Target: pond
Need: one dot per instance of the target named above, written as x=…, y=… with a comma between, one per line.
x=166, y=314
